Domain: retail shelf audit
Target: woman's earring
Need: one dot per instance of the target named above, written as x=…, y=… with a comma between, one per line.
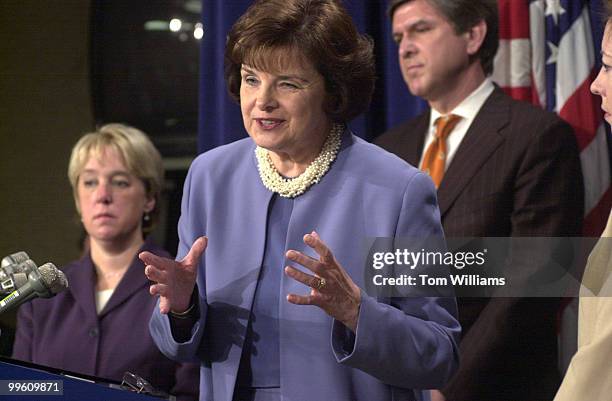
x=147, y=217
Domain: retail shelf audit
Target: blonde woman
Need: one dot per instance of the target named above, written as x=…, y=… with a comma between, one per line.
x=99, y=326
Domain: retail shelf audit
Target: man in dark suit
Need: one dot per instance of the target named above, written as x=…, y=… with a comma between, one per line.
x=503, y=168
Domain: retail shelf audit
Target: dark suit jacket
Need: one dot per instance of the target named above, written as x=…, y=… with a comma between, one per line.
x=65, y=332
x=516, y=173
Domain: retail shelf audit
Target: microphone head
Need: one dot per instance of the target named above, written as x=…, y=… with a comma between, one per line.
x=14, y=259
x=53, y=278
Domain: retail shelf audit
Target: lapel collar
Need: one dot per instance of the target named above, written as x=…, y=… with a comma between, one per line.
x=235, y=285
x=82, y=284
x=253, y=215
x=411, y=145
x=481, y=139
x=133, y=280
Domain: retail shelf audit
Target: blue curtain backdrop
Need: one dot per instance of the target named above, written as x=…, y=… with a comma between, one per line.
x=220, y=121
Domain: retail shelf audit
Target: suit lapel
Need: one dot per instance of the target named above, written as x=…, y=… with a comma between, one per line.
x=231, y=289
x=133, y=280
x=480, y=141
x=412, y=142
x=82, y=284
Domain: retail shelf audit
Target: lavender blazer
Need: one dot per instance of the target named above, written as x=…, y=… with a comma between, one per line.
x=65, y=332
x=401, y=345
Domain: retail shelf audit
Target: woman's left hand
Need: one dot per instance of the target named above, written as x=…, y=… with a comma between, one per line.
x=331, y=287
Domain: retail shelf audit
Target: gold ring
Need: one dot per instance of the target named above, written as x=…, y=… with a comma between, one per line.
x=321, y=283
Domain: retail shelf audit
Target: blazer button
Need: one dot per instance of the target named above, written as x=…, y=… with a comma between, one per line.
x=94, y=332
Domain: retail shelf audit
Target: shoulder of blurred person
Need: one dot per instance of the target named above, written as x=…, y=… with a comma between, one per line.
x=589, y=376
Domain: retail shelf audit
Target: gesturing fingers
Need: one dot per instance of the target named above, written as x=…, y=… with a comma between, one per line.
x=174, y=281
x=158, y=261
x=311, y=264
x=313, y=282
x=164, y=305
x=162, y=291
x=195, y=253
x=302, y=299
x=314, y=241
x=326, y=259
x=155, y=274
x=332, y=289
x=159, y=289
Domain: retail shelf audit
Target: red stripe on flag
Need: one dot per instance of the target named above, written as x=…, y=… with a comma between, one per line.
x=513, y=19
x=582, y=111
x=595, y=221
x=518, y=92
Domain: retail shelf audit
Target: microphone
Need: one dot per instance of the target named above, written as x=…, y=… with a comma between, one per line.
x=12, y=282
x=14, y=258
x=44, y=282
x=10, y=264
x=14, y=276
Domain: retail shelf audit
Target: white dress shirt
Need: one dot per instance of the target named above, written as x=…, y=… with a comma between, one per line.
x=467, y=110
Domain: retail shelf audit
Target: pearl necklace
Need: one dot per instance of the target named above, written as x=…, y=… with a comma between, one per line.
x=292, y=187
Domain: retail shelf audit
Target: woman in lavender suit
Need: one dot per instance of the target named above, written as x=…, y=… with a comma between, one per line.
x=274, y=308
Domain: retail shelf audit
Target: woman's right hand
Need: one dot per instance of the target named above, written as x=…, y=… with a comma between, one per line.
x=174, y=280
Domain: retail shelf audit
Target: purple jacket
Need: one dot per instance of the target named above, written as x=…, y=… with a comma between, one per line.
x=65, y=332
x=402, y=345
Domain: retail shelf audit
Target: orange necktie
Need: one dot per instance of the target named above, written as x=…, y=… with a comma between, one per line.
x=434, y=161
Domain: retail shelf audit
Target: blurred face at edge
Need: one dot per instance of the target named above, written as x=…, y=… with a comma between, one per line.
x=602, y=85
x=112, y=200
x=283, y=110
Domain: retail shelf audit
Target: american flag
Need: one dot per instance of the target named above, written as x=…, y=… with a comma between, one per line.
x=546, y=56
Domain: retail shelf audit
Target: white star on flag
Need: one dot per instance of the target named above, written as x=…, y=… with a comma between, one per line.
x=554, y=8
x=554, y=53
x=527, y=47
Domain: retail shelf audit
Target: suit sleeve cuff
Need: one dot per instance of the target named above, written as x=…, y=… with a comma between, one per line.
x=346, y=344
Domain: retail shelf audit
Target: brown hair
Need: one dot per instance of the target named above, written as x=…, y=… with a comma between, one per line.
x=320, y=31
x=463, y=15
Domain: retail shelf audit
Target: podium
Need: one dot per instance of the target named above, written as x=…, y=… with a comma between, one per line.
x=74, y=387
